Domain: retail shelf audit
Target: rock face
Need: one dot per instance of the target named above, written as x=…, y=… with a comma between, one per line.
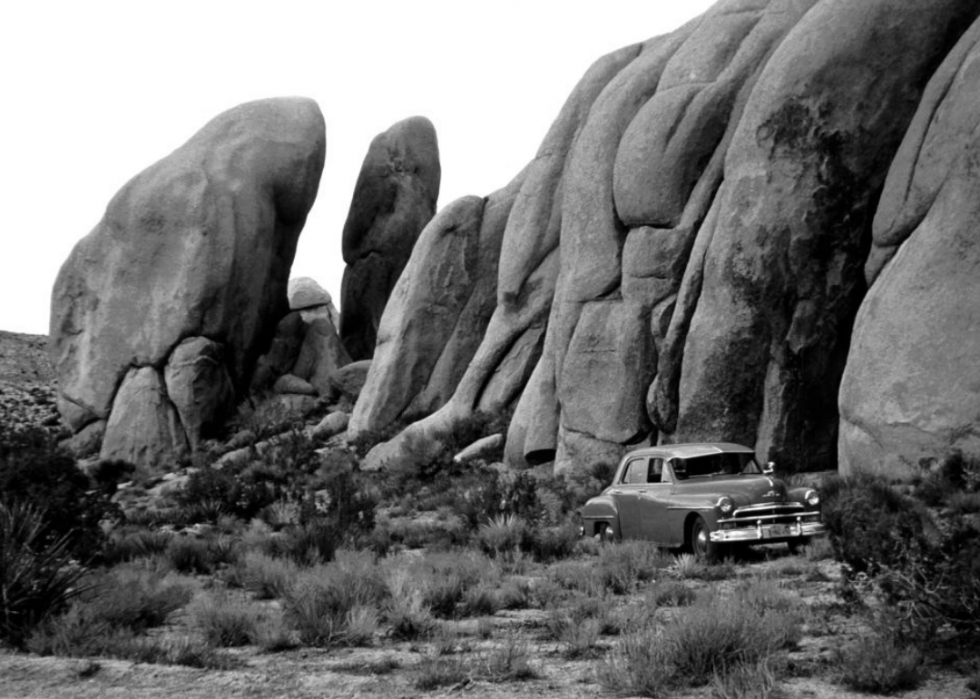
x=685, y=257
x=187, y=270
x=394, y=198
x=910, y=391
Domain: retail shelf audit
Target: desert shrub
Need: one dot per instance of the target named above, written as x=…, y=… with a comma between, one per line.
x=37, y=575
x=713, y=638
x=871, y=525
x=926, y=572
x=552, y=543
x=264, y=576
x=508, y=661
x=188, y=554
x=433, y=673
x=224, y=621
x=133, y=598
x=319, y=602
x=127, y=544
x=445, y=577
x=504, y=533
x=112, y=610
x=263, y=417
x=210, y=492
x=749, y=681
x=579, y=626
x=35, y=471
x=578, y=576
x=623, y=565
x=880, y=664
x=272, y=634
x=670, y=593
x=407, y=613
x=75, y=634
x=309, y=544
x=409, y=618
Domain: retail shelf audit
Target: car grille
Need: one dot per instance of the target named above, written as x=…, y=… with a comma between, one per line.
x=769, y=513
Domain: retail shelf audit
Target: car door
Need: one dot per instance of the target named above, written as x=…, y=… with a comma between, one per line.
x=627, y=493
x=653, y=501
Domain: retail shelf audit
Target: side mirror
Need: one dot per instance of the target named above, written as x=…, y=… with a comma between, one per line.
x=770, y=468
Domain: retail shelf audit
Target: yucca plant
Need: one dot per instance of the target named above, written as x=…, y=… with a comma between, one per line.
x=37, y=574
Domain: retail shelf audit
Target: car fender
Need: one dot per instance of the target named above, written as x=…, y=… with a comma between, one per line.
x=601, y=508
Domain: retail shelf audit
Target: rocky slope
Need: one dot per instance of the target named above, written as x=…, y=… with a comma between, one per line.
x=685, y=258
x=27, y=389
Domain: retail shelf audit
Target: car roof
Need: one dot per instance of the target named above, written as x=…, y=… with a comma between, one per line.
x=687, y=451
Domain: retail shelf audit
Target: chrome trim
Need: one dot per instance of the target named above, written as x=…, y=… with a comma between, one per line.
x=768, y=506
x=746, y=520
x=758, y=533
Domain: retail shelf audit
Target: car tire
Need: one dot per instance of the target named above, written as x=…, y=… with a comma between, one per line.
x=701, y=544
x=604, y=534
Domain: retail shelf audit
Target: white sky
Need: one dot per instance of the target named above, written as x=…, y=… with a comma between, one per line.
x=93, y=92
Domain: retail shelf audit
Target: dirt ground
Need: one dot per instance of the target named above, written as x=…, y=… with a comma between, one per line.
x=390, y=669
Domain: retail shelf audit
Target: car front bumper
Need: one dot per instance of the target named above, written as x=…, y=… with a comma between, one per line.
x=769, y=532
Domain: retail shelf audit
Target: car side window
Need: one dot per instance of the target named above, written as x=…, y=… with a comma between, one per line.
x=636, y=472
x=656, y=471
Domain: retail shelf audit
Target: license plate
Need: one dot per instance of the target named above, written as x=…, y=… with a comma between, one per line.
x=778, y=530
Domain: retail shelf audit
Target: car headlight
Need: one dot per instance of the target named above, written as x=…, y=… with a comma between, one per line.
x=812, y=498
x=725, y=505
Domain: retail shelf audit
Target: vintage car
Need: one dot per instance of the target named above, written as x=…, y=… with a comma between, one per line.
x=705, y=497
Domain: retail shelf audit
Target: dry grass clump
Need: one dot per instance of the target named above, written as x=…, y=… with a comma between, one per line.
x=323, y=604
x=110, y=620
x=579, y=626
x=879, y=664
x=716, y=636
x=226, y=621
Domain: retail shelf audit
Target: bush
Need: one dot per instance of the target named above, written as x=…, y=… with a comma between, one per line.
x=264, y=576
x=34, y=471
x=502, y=534
x=870, y=525
x=37, y=575
x=881, y=665
x=188, y=554
x=127, y=545
x=133, y=599
x=433, y=673
x=320, y=603
x=622, y=565
x=509, y=661
x=715, y=637
x=928, y=574
x=226, y=622
x=107, y=617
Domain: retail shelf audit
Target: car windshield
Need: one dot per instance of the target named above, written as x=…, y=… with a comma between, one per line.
x=726, y=464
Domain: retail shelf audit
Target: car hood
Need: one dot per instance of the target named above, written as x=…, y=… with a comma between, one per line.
x=743, y=489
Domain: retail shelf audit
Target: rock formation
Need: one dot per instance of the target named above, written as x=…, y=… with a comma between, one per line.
x=910, y=393
x=159, y=314
x=394, y=198
x=685, y=257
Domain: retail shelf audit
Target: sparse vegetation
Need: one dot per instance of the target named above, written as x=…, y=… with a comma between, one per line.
x=880, y=664
x=438, y=558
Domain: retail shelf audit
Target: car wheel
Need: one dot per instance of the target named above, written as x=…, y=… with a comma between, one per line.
x=604, y=534
x=701, y=544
